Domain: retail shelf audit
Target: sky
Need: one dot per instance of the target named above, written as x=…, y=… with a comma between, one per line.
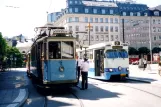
x=22, y=16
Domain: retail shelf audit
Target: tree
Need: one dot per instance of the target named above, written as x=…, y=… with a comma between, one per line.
x=132, y=51
x=156, y=50
x=14, y=57
x=3, y=46
x=143, y=50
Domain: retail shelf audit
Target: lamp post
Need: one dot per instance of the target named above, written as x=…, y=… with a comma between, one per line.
x=89, y=28
x=11, y=58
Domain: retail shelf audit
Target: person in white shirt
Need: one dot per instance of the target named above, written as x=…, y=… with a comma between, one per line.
x=84, y=72
x=145, y=63
x=79, y=62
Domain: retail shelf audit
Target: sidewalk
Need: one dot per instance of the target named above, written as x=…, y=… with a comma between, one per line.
x=13, y=91
x=149, y=75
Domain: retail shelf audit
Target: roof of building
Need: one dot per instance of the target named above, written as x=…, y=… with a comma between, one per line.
x=99, y=3
x=156, y=8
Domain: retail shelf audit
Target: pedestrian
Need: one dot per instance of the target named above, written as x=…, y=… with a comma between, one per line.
x=145, y=63
x=84, y=72
x=79, y=62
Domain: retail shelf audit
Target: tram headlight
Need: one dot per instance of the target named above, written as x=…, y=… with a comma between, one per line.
x=119, y=68
x=110, y=70
x=61, y=68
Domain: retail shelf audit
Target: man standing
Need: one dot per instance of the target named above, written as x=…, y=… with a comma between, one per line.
x=79, y=62
x=84, y=72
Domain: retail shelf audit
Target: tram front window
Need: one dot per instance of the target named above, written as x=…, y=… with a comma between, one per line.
x=61, y=50
x=54, y=50
x=116, y=53
x=67, y=50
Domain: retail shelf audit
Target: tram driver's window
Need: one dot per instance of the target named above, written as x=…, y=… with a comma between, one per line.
x=54, y=50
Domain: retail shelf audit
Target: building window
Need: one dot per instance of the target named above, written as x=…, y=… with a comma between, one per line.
x=97, y=38
x=116, y=37
x=154, y=29
x=101, y=29
x=70, y=2
x=160, y=37
x=92, y=38
x=111, y=28
x=96, y=20
x=106, y=38
x=76, y=28
x=116, y=20
x=86, y=10
x=106, y=20
x=102, y=37
x=131, y=14
x=155, y=38
x=70, y=10
x=96, y=28
x=124, y=13
x=101, y=20
x=94, y=10
x=103, y=11
x=156, y=13
x=70, y=19
x=91, y=20
x=153, y=21
x=106, y=28
x=86, y=19
x=76, y=19
x=86, y=38
x=70, y=28
x=116, y=29
x=112, y=38
x=76, y=10
x=111, y=11
x=111, y=20
x=145, y=14
x=138, y=13
x=76, y=2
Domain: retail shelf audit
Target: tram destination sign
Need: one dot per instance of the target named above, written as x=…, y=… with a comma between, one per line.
x=56, y=31
x=117, y=47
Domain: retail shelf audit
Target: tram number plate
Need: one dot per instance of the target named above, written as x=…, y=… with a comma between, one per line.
x=123, y=75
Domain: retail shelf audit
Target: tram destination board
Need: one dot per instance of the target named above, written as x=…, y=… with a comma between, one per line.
x=117, y=47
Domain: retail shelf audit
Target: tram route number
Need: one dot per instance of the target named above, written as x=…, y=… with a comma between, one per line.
x=61, y=76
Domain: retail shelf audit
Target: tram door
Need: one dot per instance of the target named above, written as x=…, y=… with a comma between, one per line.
x=39, y=59
x=99, y=62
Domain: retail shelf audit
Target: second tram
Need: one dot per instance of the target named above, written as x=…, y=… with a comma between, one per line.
x=107, y=60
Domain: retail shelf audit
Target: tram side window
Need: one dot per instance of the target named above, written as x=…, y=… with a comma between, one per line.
x=55, y=50
x=67, y=49
x=33, y=54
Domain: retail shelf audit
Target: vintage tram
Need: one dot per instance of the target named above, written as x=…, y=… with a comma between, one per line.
x=51, y=60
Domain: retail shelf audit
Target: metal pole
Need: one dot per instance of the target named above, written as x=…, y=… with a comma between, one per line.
x=89, y=26
x=123, y=34
x=150, y=40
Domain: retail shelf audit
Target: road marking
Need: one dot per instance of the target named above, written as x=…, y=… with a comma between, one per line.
x=21, y=95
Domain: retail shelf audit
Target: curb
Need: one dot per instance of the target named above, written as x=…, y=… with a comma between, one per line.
x=139, y=80
x=25, y=98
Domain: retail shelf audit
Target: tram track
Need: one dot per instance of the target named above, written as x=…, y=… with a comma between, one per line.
x=70, y=92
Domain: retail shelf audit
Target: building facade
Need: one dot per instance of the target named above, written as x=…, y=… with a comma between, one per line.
x=106, y=21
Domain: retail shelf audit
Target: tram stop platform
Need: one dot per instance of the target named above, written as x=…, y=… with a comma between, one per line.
x=149, y=75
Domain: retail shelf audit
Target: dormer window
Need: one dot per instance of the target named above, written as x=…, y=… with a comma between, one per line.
x=156, y=13
x=145, y=14
x=138, y=13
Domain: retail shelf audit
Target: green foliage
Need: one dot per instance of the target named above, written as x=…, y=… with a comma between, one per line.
x=3, y=46
x=156, y=50
x=132, y=51
x=5, y=55
x=143, y=50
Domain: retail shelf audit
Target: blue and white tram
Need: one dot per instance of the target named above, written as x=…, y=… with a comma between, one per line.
x=107, y=60
x=52, y=59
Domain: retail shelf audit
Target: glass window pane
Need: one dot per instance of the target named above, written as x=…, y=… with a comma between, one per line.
x=54, y=50
x=67, y=50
